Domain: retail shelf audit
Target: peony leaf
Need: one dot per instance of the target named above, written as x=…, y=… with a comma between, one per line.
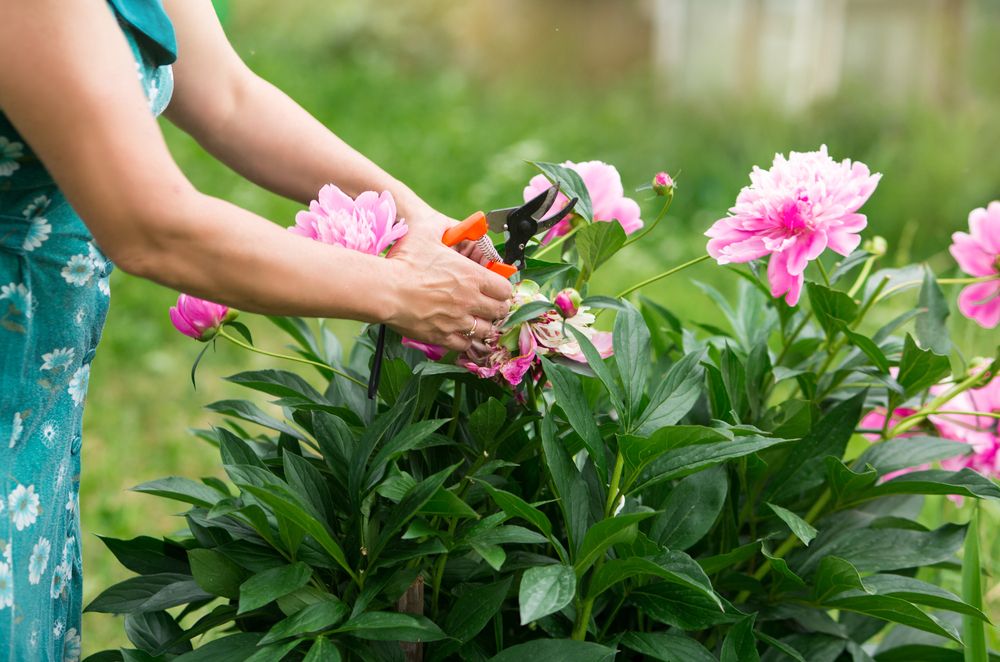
x=571, y=185
x=545, y=590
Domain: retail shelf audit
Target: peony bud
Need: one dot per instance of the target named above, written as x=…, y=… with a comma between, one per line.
x=663, y=184
x=198, y=318
x=877, y=246
x=568, y=302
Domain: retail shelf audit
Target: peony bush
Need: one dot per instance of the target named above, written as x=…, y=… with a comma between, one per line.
x=749, y=489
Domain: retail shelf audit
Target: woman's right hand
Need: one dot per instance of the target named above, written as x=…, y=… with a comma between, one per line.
x=441, y=295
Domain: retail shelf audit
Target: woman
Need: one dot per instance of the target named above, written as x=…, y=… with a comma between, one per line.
x=86, y=180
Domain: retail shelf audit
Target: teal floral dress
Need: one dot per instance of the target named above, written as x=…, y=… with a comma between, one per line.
x=54, y=296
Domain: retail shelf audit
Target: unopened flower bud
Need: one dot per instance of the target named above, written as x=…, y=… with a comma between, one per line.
x=877, y=246
x=663, y=184
x=568, y=302
x=198, y=318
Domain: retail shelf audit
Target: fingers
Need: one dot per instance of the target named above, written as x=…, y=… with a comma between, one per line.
x=495, y=286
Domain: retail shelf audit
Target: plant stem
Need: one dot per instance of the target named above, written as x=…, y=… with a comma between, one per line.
x=616, y=477
x=659, y=217
x=558, y=241
x=583, y=614
x=862, y=277
x=795, y=334
x=822, y=272
x=668, y=272
x=931, y=407
x=941, y=281
x=288, y=357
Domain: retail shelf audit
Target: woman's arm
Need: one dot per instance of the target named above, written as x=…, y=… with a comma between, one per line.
x=257, y=130
x=67, y=82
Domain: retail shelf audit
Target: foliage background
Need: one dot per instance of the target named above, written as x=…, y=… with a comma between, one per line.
x=394, y=82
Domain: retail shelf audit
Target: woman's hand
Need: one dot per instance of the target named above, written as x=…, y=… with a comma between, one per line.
x=442, y=294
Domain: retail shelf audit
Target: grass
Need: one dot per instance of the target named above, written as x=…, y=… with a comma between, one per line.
x=462, y=143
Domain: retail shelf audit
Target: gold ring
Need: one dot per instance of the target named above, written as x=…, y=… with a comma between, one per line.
x=470, y=332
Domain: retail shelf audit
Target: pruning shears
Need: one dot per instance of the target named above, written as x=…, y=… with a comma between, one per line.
x=517, y=224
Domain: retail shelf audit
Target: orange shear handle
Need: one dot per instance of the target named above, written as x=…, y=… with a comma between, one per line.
x=474, y=229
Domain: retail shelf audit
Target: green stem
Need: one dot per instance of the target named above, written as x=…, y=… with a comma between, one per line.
x=668, y=272
x=583, y=614
x=862, y=277
x=659, y=217
x=288, y=357
x=558, y=241
x=616, y=477
x=822, y=272
x=795, y=334
x=931, y=407
x=941, y=281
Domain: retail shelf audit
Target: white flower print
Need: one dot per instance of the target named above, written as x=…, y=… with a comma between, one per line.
x=33, y=637
x=49, y=432
x=58, y=359
x=6, y=586
x=23, y=504
x=8, y=550
x=60, y=577
x=68, y=549
x=19, y=297
x=79, y=270
x=71, y=502
x=61, y=474
x=104, y=285
x=71, y=646
x=10, y=151
x=37, y=207
x=79, y=315
x=16, y=429
x=38, y=560
x=38, y=232
x=78, y=384
x=57, y=628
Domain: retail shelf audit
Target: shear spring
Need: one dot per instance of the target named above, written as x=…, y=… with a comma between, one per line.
x=489, y=251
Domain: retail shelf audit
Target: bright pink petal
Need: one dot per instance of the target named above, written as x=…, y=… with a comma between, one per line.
x=981, y=302
x=182, y=324
x=432, y=352
x=971, y=256
x=984, y=226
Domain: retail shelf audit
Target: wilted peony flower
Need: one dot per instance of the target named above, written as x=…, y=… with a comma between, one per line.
x=663, y=184
x=607, y=197
x=568, y=302
x=366, y=224
x=198, y=318
x=793, y=212
x=509, y=362
x=978, y=254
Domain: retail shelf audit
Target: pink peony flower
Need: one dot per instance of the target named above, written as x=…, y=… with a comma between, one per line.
x=793, y=212
x=432, y=352
x=568, y=302
x=980, y=432
x=607, y=197
x=366, y=224
x=198, y=318
x=978, y=254
x=503, y=361
x=663, y=184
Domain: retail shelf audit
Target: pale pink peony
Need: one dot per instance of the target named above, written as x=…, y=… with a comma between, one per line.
x=366, y=224
x=793, y=212
x=198, y=318
x=978, y=254
x=607, y=197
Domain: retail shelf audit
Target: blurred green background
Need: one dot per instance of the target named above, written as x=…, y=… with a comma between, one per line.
x=452, y=98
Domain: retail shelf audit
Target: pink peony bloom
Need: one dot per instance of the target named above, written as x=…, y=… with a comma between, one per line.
x=366, y=224
x=607, y=197
x=978, y=254
x=503, y=361
x=568, y=302
x=432, y=352
x=980, y=432
x=548, y=329
x=198, y=318
x=793, y=212
x=663, y=183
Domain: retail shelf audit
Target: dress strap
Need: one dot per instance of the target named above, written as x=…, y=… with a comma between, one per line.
x=150, y=20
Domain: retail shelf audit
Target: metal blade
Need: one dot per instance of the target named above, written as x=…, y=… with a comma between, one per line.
x=497, y=219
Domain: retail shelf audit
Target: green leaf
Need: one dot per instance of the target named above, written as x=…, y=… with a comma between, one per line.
x=667, y=647
x=780, y=646
x=804, y=467
x=146, y=556
x=674, y=567
x=494, y=555
x=270, y=585
x=690, y=459
x=802, y=529
x=277, y=382
x=526, y=313
x=474, y=608
x=740, y=645
x=931, y=325
x=964, y=482
x=307, y=621
x=486, y=422
x=894, y=610
x=148, y=593
x=597, y=243
x=410, y=437
x=927, y=653
x=446, y=503
x=556, y=650
x=323, y=651
x=846, y=483
x=680, y=606
x=876, y=550
x=515, y=506
x=606, y=533
x=181, y=489
x=545, y=590
x=973, y=629
x=835, y=575
x=868, y=346
x=570, y=396
x=639, y=452
x=215, y=573
x=155, y=630
x=569, y=487
x=247, y=411
x=631, y=342
x=674, y=396
x=600, y=369
x=571, y=185
x=234, y=648
x=391, y=626
x=922, y=593
x=411, y=504
x=690, y=509
x=920, y=369
x=902, y=453
x=831, y=307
